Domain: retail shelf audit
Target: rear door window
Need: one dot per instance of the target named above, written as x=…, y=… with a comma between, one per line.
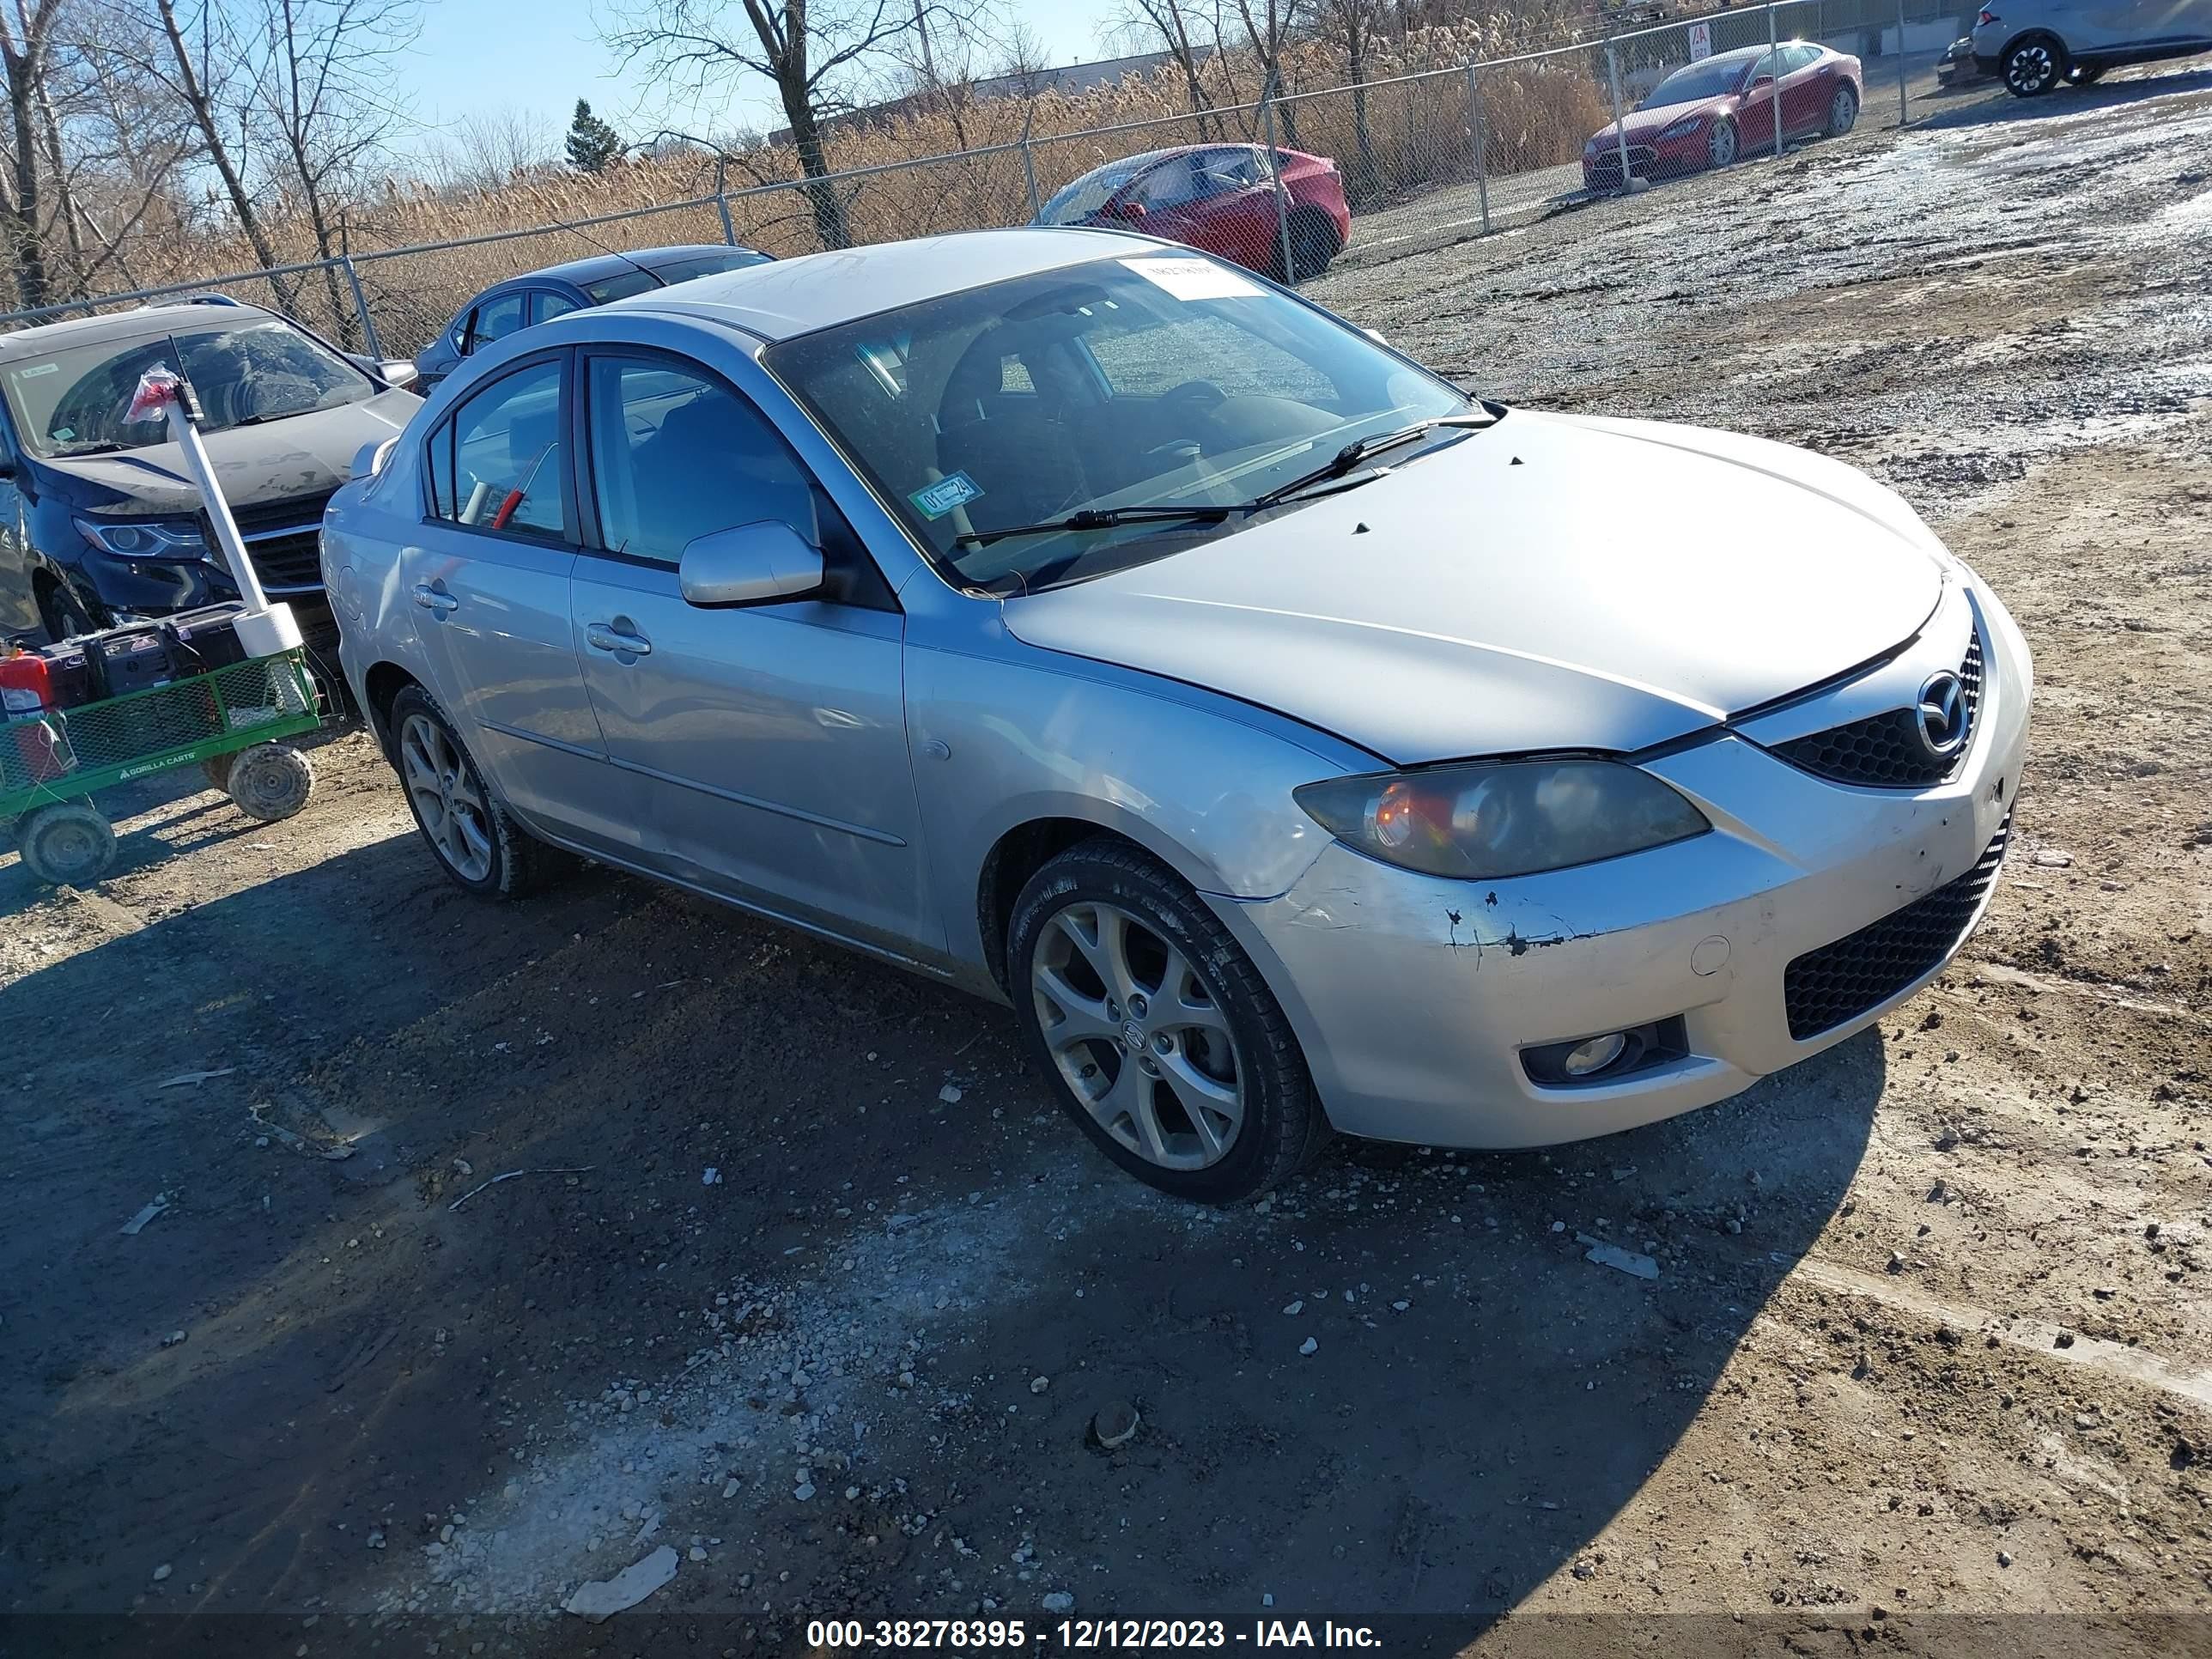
x=545, y=304
x=499, y=462
x=496, y=319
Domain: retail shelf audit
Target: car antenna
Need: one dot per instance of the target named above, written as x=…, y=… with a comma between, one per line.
x=578, y=230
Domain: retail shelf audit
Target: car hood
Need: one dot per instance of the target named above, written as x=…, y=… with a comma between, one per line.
x=305, y=456
x=1555, y=582
x=1643, y=125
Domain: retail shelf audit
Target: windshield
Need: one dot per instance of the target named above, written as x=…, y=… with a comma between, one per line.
x=1073, y=204
x=1696, y=81
x=1146, y=381
x=72, y=401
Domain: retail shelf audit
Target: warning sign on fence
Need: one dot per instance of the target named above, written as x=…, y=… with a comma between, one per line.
x=1701, y=41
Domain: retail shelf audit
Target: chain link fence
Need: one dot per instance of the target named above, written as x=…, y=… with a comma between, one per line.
x=1289, y=185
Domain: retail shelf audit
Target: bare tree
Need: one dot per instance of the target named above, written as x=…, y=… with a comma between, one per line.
x=1267, y=32
x=817, y=54
x=1022, y=60
x=325, y=96
x=1353, y=26
x=26, y=53
x=492, y=147
x=1182, y=30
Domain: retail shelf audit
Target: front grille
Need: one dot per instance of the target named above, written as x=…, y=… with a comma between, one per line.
x=1884, y=751
x=1827, y=987
x=284, y=539
x=1606, y=163
x=294, y=561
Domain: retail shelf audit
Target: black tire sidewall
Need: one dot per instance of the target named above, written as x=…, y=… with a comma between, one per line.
x=498, y=881
x=1282, y=1124
x=2058, y=65
x=263, y=757
x=32, y=828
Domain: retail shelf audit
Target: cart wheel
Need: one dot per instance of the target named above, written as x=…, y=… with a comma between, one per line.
x=67, y=844
x=217, y=767
x=271, y=781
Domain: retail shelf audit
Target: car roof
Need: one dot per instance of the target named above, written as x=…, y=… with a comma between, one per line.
x=788, y=297
x=145, y=322
x=592, y=267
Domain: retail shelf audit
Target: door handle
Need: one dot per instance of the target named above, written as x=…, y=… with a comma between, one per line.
x=431, y=599
x=602, y=637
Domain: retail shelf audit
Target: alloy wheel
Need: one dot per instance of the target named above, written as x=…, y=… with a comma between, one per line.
x=1138, y=1036
x=446, y=797
x=2031, y=69
x=1720, y=146
x=1843, y=111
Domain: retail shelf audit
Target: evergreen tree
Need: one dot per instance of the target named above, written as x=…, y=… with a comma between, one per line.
x=592, y=144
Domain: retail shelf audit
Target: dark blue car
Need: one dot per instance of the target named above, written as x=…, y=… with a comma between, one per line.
x=538, y=295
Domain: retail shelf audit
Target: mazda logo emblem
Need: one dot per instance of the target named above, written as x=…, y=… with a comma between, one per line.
x=1941, y=715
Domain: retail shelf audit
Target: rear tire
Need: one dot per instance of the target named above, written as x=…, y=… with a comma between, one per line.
x=1313, y=245
x=1843, y=111
x=474, y=838
x=2032, y=66
x=67, y=844
x=1155, y=1031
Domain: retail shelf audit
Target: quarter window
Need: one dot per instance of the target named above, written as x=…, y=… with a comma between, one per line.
x=545, y=304
x=496, y=463
x=677, y=455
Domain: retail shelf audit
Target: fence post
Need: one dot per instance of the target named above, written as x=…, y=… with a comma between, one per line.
x=1028, y=161
x=361, y=306
x=722, y=199
x=1774, y=83
x=1904, y=109
x=1275, y=172
x=1477, y=136
x=1619, y=120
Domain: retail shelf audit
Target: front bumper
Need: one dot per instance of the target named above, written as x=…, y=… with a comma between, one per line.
x=1414, y=997
x=1672, y=158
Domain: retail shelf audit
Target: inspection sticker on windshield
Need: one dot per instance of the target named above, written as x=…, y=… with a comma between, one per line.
x=935, y=501
x=1193, y=279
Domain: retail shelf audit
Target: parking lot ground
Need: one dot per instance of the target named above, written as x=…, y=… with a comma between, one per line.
x=799, y=1273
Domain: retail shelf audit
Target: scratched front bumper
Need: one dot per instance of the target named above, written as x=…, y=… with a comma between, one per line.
x=1413, y=996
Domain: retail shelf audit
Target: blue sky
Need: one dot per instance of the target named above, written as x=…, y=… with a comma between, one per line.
x=540, y=56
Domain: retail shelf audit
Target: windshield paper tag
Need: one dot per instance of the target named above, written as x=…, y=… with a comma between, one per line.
x=935, y=501
x=1193, y=279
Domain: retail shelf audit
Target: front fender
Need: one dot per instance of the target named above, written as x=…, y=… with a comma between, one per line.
x=1016, y=736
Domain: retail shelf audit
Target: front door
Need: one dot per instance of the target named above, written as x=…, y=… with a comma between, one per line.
x=487, y=579
x=770, y=739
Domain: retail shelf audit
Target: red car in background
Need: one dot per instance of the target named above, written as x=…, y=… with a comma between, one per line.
x=1220, y=197
x=1707, y=114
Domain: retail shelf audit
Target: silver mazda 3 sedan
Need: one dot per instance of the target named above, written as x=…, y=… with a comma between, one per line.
x=1293, y=740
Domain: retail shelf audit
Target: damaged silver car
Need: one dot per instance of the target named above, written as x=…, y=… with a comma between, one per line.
x=1294, y=741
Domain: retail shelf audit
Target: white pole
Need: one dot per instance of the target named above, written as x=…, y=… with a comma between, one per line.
x=1619, y=120
x=264, y=629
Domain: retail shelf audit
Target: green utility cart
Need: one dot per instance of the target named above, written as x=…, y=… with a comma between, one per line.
x=232, y=721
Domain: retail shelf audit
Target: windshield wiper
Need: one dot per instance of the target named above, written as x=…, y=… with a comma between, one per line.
x=1098, y=518
x=74, y=450
x=1361, y=449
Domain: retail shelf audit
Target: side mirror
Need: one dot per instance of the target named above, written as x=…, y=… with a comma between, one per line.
x=749, y=565
x=1125, y=209
x=368, y=460
x=397, y=373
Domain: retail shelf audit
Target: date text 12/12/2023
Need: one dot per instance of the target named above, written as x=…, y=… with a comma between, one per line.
x=1083, y=1635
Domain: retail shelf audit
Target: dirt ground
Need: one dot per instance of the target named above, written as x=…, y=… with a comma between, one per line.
x=800, y=1273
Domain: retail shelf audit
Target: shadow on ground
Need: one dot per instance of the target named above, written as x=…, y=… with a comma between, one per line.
x=360, y=1355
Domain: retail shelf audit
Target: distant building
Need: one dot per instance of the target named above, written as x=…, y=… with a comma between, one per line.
x=995, y=88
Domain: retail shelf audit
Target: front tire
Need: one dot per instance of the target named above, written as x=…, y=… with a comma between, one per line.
x=1157, y=1034
x=63, y=614
x=66, y=844
x=474, y=838
x=2033, y=65
x=1721, y=145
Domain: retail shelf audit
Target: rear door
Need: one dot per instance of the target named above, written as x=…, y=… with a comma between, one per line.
x=769, y=741
x=1806, y=84
x=488, y=580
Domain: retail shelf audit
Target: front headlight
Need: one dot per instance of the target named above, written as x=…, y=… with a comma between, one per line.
x=1685, y=127
x=1483, y=820
x=145, y=539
